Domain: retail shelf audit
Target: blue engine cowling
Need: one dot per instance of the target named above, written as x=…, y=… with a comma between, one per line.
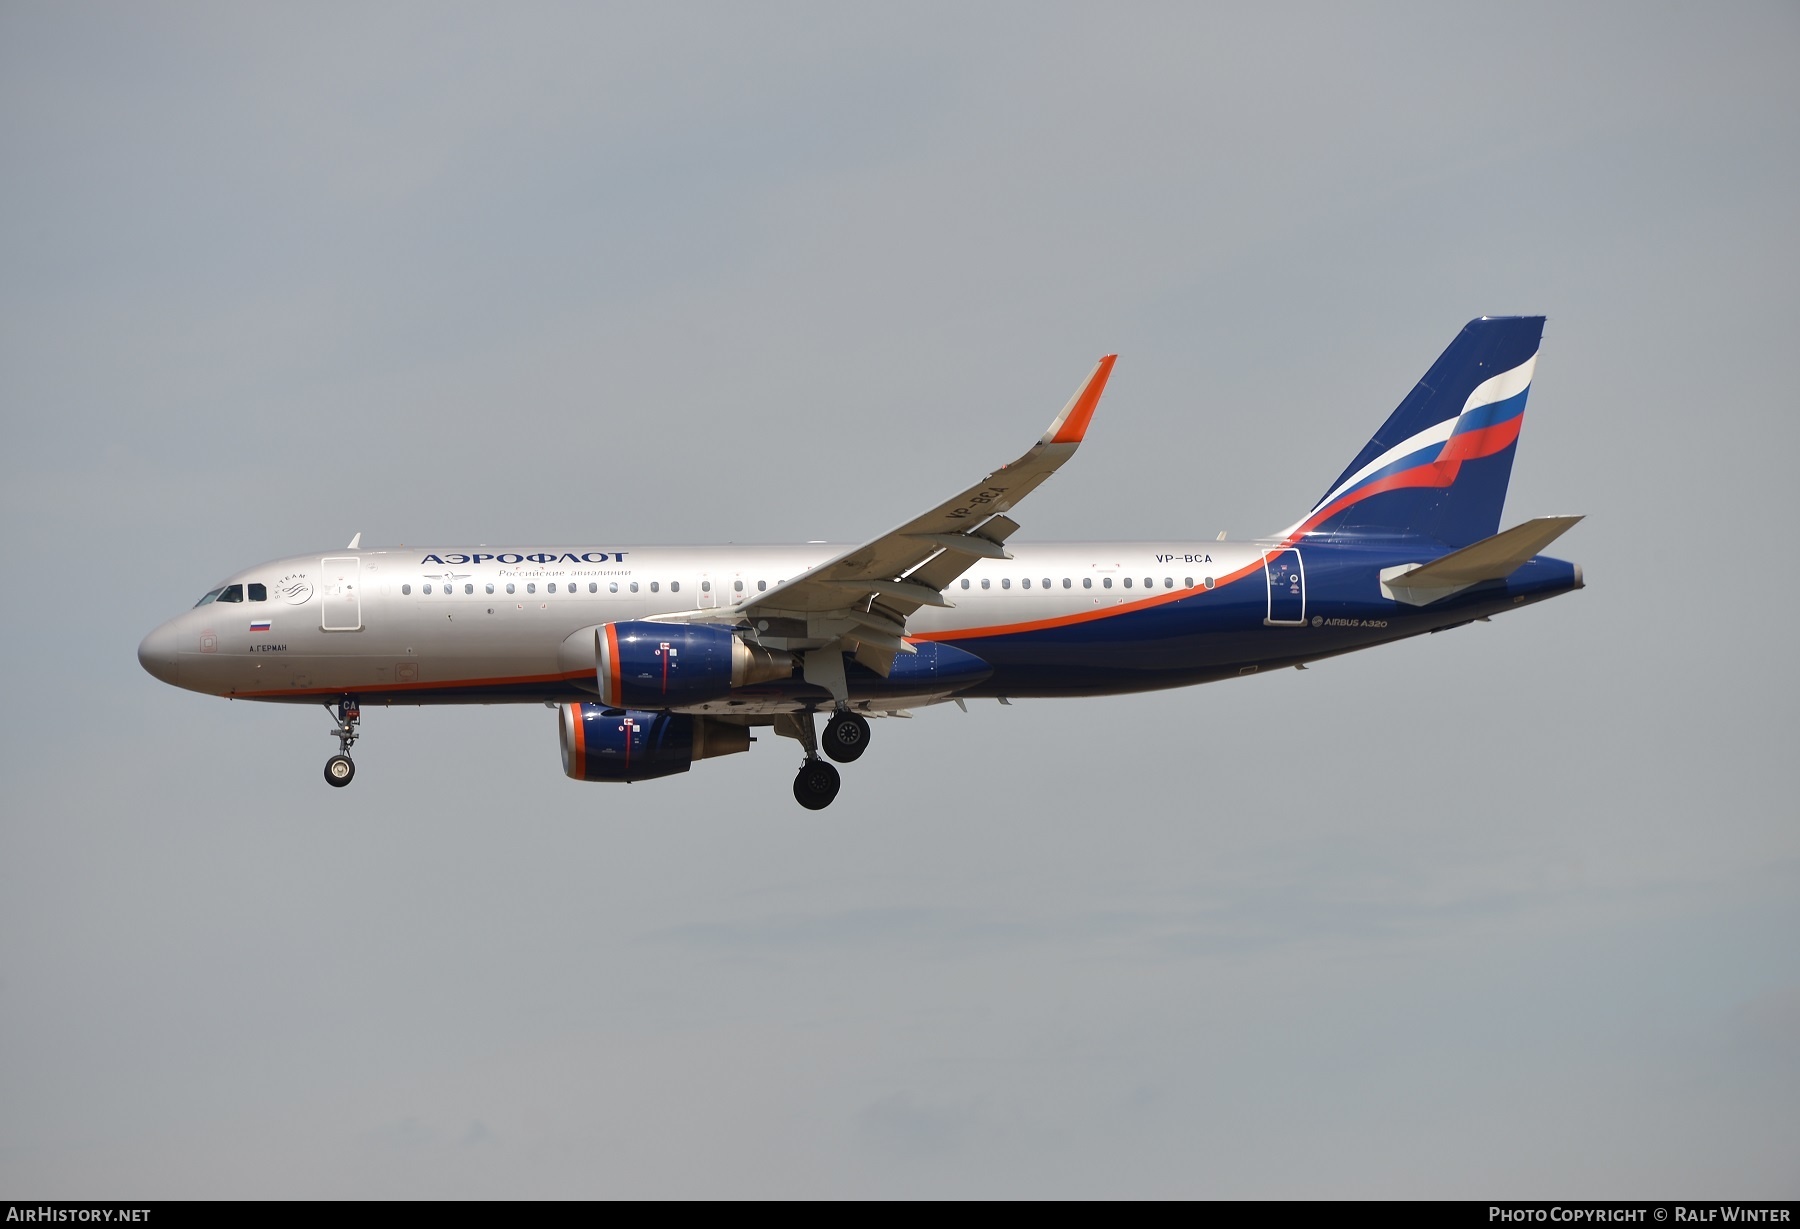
x=610, y=744
x=669, y=665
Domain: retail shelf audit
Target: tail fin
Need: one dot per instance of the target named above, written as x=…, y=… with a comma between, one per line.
x=1439, y=466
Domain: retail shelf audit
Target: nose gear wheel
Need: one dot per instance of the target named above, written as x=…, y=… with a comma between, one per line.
x=340, y=770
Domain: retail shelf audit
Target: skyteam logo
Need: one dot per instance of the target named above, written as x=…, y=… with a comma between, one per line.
x=294, y=588
x=543, y=556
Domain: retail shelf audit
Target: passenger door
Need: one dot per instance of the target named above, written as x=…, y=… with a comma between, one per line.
x=340, y=594
x=1287, y=588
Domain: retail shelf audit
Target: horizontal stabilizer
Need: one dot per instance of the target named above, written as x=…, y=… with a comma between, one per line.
x=1495, y=558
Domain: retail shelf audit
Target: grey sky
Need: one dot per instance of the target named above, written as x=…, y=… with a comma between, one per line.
x=1505, y=911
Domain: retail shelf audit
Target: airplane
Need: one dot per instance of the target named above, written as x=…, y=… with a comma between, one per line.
x=657, y=656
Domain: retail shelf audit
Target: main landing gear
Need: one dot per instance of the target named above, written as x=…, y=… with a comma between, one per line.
x=816, y=785
x=340, y=769
x=846, y=737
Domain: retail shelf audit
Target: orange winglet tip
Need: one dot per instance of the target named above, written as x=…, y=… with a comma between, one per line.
x=1072, y=424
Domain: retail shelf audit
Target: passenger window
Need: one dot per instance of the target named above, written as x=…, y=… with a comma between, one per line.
x=509, y=587
x=407, y=589
x=612, y=586
x=593, y=586
x=1149, y=582
x=1168, y=582
x=761, y=585
x=1209, y=582
x=737, y=586
x=965, y=582
x=258, y=592
x=653, y=586
x=1187, y=582
x=1106, y=582
x=1087, y=582
x=1006, y=582
x=531, y=586
x=1067, y=583
x=551, y=588
x=706, y=586
x=468, y=588
x=1026, y=583
x=427, y=589
x=1046, y=582
x=1128, y=582
x=985, y=582
x=490, y=586
x=674, y=586
x=634, y=586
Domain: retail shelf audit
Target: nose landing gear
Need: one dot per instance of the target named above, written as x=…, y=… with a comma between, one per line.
x=340, y=769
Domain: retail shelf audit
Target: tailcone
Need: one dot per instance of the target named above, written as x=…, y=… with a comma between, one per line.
x=1544, y=577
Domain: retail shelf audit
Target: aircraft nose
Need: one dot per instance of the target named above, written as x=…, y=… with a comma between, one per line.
x=157, y=653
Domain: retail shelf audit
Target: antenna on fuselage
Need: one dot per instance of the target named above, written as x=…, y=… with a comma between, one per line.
x=354, y=541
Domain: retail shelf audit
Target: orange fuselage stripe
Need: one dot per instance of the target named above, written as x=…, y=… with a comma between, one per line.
x=504, y=681
x=1088, y=616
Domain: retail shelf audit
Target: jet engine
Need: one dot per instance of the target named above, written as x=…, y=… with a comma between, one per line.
x=610, y=744
x=668, y=665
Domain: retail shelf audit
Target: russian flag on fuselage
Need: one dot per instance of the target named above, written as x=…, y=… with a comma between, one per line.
x=1439, y=466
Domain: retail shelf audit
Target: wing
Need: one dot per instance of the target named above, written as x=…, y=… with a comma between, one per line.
x=863, y=597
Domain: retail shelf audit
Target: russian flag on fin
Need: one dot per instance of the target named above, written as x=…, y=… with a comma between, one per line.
x=1439, y=466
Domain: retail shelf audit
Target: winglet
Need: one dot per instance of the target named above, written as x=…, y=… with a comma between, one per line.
x=1072, y=423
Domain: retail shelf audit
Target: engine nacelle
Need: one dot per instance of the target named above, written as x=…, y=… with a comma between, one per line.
x=609, y=744
x=668, y=665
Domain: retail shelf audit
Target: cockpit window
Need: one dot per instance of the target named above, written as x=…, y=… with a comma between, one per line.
x=234, y=593
x=258, y=592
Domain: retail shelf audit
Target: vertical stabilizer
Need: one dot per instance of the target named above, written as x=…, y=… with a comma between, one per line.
x=1439, y=466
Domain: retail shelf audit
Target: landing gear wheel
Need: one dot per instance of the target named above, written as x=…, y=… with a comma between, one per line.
x=816, y=785
x=339, y=769
x=846, y=737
